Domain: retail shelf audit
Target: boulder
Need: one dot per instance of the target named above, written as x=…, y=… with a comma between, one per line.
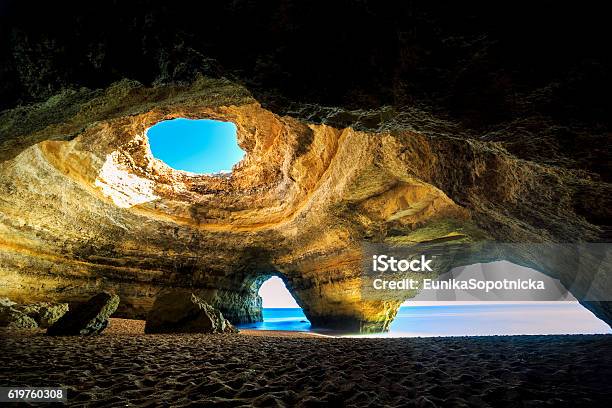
x=41, y=314
x=13, y=318
x=44, y=313
x=181, y=311
x=88, y=318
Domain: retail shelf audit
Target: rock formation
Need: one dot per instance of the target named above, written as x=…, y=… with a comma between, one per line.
x=14, y=318
x=44, y=313
x=180, y=311
x=87, y=318
x=33, y=315
x=411, y=135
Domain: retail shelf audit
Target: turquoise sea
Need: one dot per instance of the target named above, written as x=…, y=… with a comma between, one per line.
x=463, y=320
x=292, y=319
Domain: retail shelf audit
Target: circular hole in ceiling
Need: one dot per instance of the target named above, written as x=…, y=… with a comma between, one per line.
x=199, y=146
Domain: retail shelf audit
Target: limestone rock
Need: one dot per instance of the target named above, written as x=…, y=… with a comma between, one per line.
x=45, y=313
x=40, y=314
x=181, y=311
x=14, y=318
x=88, y=318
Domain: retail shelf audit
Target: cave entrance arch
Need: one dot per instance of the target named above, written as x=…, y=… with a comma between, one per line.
x=280, y=310
x=448, y=313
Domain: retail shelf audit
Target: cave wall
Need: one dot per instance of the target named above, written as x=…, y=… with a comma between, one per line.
x=410, y=120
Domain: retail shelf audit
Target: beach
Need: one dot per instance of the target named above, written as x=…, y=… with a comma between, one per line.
x=267, y=368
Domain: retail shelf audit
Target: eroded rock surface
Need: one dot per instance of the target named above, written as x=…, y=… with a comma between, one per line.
x=33, y=315
x=44, y=313
x=181, y=311
x=110, y=216
x=15, y=318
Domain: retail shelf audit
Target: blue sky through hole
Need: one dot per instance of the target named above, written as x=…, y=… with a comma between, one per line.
x=199, y=146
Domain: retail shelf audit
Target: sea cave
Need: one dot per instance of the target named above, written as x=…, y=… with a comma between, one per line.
x=158, y=173
x=99, y=212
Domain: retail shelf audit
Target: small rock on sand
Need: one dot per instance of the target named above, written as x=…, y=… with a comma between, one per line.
x=88, y=318
x=44, y=313
x=13, y=318
x=180, y=311
x=30, y=316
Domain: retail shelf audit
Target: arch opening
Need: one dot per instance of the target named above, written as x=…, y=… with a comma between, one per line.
x=280, y=310
x=450, y=313
x=199, y=146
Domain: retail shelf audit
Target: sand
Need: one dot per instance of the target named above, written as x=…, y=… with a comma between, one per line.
x=125, y=366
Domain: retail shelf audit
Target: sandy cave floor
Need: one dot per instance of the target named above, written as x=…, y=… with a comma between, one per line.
x=125, y=366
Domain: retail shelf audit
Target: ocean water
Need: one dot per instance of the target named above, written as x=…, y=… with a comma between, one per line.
x=482, y=319
x=292, y=319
